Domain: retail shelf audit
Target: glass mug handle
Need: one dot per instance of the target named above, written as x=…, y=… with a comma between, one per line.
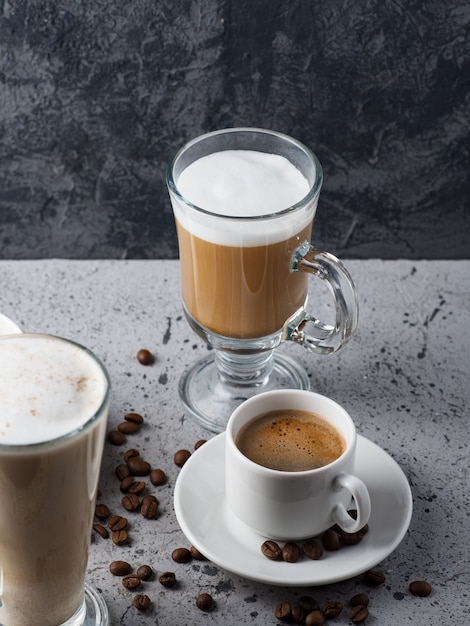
x=303, y=327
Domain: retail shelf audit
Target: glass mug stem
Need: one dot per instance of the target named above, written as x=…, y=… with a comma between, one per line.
x=303, y=327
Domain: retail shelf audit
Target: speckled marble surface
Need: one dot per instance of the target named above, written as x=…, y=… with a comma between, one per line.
x=404, y=378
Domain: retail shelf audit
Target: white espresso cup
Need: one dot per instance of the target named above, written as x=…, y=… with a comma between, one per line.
x=296, y=503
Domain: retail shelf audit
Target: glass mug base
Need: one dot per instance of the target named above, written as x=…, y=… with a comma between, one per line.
x=210, y=400
x=93, y=611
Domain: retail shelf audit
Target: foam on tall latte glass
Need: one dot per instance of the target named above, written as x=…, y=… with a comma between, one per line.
x=243, y=184
x=49, y=389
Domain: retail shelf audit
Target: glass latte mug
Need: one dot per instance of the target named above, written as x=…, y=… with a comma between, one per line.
x=54, y=400
x=244, y=201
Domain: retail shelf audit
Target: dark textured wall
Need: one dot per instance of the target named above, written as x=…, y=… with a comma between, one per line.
x=97, y=95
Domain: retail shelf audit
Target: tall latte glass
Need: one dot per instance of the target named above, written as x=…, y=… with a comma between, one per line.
x=54, y=399
x=244, y=201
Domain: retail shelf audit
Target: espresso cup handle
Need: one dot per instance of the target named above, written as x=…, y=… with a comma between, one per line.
x=361, y=498
x=303, y=327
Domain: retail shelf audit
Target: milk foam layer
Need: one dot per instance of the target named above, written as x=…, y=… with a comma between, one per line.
x=243, y=184
x=48, y=388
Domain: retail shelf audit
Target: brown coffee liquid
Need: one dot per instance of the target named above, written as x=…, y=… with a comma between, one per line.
x=290, y=441
x=241, y=292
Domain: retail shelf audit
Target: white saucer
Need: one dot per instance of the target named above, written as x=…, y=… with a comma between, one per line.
x=208, y=524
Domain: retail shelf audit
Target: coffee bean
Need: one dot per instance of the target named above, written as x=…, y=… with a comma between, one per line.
x=283, y=612
x=364, y=530
x=131, y=453
x=141, y=602
x=101, y=530
x=145, y=357
x=181, y=555
x=331, y=540
x=120, y=568
x=149, y=507
x=167, y=579
x=102, y=512
x=308, y=604
x=122, y=471
x=137, y=487
x=117, y=522
x=271, y=550
x=332, y=609
x=130, y=502
x=120, y=537
x=358, y=614
x=144, y=572
x=126, y=483
x=315, y=618
x=116, y=438
x=374, y=578
x=128, y=428
x=298, y=614
x=204, y=601
x=181, y=456
x=199, y=443
x=420, y=588
x=157, y=477
x=313, y=549
x=360, y=598
x=196, y=554
x=134, y=417
x=139, y=467
x=290, y=552
x=350, y=539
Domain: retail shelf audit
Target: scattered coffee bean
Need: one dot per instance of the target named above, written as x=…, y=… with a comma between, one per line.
x=308, y=604
x=204, y=601
x=116, y=437
x=120, y=537
x=136, y=418
x=101, y=530
x=131, y=581
x=149, y=507
x=331, y=540
x=196, y=554
x=374, y=577
x=181, y=555
x=167, y=579
x=126, y=484
x=358, y=614
x=157, y=477
x=145, y=357
x=420, y=588
x=102, y=512
x=359, y=598
x=283, y=612
x=144, y=572
x=199, y=443
x=128, y=428
x=130, y=502
x=332, y=609
x=137, y=487
x=131, y=453
x=138, y=467
x=122, y=471
x=120, y=568
x=298, y=614
x=313, y=549
x=271, y=550
x=315, y=618
x=181, y=456
x=141, y=602
x=117, y=522
x=290, y=552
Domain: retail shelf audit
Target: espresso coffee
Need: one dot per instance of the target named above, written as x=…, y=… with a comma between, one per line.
x=53, y=407
x=290, y=441
x=236, y=270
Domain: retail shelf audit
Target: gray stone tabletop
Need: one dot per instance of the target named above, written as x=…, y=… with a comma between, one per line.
x=404, y=378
